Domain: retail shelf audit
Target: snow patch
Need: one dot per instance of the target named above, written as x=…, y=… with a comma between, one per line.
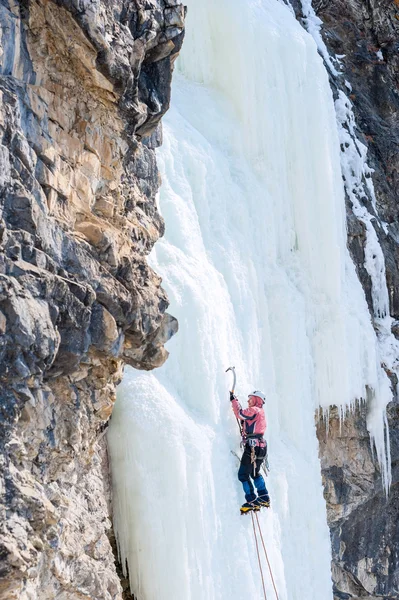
x=313, y=26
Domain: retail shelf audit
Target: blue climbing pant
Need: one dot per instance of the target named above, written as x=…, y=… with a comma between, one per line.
x=251, y=470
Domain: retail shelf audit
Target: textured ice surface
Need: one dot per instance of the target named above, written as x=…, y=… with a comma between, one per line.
x=258, y=273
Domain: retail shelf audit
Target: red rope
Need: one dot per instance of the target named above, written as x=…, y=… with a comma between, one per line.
x=264, y=548
x=257, y=551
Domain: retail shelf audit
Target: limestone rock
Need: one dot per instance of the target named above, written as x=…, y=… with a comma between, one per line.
x=83, y=86
x=363, y=521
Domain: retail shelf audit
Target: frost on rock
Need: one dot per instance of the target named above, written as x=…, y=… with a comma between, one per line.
x=313, y=25
x=359, y=188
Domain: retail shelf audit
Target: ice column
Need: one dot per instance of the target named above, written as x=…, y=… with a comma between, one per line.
x=257, y=270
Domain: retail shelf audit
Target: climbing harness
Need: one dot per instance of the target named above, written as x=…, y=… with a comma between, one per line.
x=259, y=561
x=267, y=558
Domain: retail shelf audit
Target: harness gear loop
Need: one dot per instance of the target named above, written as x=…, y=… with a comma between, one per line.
x=257, y=551
x=253, y=459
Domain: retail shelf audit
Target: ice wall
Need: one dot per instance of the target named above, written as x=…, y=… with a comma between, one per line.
x=257, y=270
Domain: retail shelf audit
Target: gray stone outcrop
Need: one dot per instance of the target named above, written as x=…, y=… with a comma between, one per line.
x=83, y=86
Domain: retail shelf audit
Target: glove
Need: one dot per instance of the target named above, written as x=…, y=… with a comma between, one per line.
x=232, y=397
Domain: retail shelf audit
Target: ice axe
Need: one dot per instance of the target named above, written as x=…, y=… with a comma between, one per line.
x=232, y=391
x=235, y=378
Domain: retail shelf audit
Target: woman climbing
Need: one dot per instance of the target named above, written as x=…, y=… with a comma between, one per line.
x=253, y=427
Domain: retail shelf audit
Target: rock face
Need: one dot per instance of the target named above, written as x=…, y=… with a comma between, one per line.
x=363, y=521
x=83, y=86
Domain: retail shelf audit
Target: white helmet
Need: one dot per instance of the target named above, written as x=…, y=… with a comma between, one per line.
x=259, y=395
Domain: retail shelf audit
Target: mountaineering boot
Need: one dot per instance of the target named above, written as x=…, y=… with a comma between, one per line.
x=248, y=506
x=263, y=501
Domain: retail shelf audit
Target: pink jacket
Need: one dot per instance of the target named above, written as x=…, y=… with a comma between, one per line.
x=253, y=419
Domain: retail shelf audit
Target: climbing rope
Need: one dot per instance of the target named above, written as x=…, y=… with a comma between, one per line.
x=257, y=551
x=264, y=548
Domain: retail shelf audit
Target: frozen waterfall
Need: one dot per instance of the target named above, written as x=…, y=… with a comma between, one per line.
x=258, y=274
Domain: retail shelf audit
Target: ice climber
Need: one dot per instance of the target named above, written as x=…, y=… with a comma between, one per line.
x=253, y=427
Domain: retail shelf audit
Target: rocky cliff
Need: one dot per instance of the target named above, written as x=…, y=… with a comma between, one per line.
x=364, y=36
x=83, y=86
